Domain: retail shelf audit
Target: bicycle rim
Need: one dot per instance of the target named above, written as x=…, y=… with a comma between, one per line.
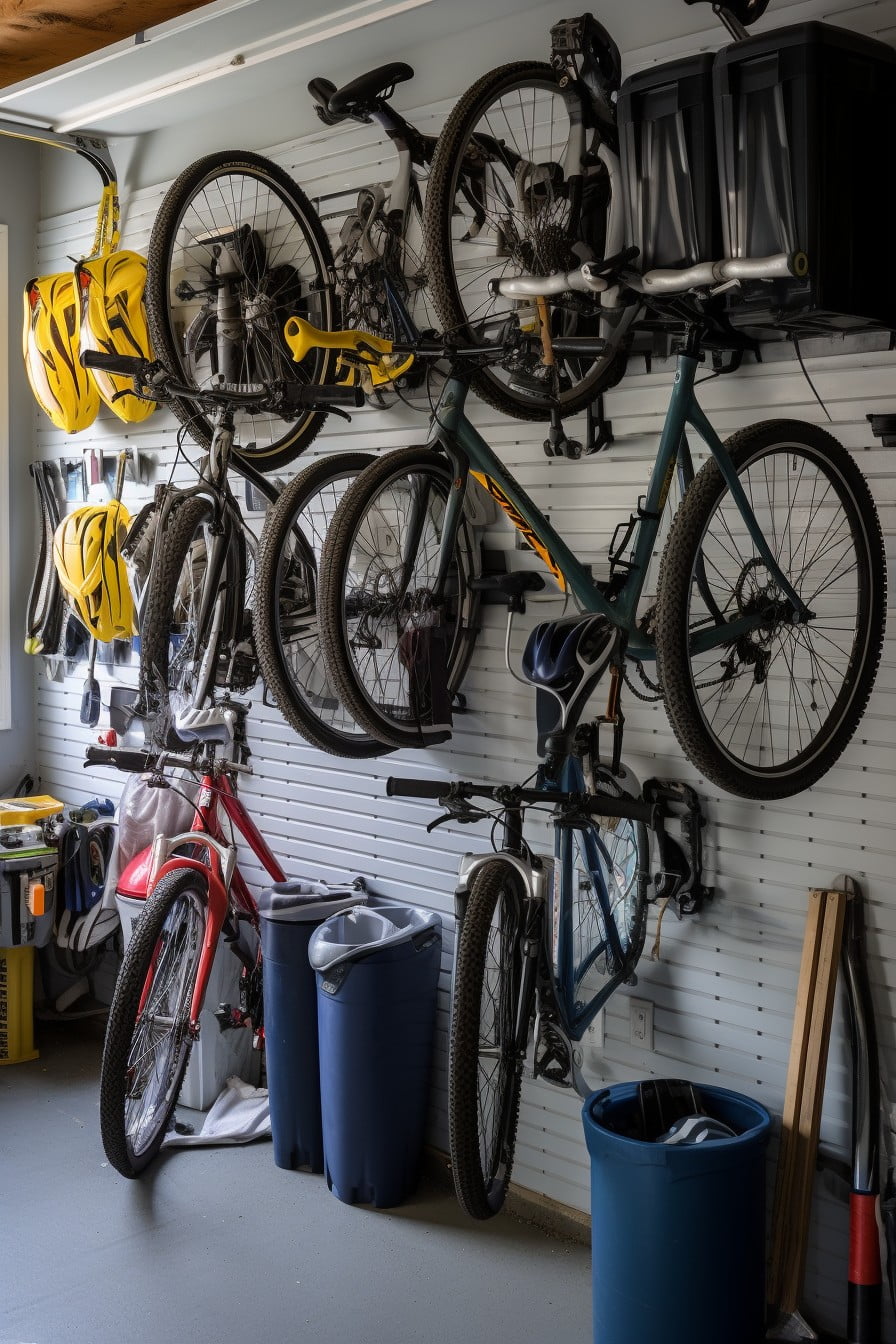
x=502, y=206
x=181, y=661
x=286, y=618
x=235, y=251
x=396, y=646
x=767, y=714
x=160, y=1046
x=485, y=1061
x=148, y=1038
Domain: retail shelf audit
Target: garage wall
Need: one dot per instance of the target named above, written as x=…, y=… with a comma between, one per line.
x=724, y=989
x=19, y=164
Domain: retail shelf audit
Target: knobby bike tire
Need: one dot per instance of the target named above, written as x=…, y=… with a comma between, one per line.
x=166, y=942
x=288, y=559
x=358, y=583
x=314, y=298
x=440, y=214
x=796, y=475
x=482, y=1122
x=184, y=517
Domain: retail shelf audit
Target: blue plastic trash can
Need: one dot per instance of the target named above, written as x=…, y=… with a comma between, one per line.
x=290, y=912
x=377, y=982
x=677, y=1231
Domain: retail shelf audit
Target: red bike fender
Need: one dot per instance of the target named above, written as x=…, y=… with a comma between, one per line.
x=217, y=912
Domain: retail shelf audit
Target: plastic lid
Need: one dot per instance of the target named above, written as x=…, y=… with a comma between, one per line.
x=302, y=901
x=362, y=930
x=19, y=811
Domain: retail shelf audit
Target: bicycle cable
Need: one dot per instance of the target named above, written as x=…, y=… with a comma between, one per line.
x=815, y=393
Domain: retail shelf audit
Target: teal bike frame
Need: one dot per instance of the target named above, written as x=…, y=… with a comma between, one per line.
x=470, y=454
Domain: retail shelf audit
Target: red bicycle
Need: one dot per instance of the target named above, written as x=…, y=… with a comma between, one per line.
x=195, y=892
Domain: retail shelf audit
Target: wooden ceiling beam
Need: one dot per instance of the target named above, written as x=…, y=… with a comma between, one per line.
x=39, y=35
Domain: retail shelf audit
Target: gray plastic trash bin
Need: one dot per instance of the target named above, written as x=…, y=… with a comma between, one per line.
x=290, y=912
x=377, y=981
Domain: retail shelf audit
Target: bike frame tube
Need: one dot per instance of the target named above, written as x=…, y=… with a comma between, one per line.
x=206, y=820
x=462, y=443
x=575, y=1017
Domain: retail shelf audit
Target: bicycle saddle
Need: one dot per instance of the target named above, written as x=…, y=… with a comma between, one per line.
x=747, y=11
x=559, y=653
x=357, y=97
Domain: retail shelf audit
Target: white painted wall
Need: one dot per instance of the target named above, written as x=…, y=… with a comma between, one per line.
x=20, y=170
x=724, y=990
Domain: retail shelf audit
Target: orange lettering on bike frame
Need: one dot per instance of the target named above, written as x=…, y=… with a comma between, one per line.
x=521, y=525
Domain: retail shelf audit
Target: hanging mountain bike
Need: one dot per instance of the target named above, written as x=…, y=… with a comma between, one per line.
x=237, y=249
x=526, y=181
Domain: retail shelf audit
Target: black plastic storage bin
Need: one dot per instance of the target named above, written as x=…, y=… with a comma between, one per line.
x=668, y=152
x=805, y=124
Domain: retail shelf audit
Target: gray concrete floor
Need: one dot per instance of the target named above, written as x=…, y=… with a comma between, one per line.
x=219, y=1245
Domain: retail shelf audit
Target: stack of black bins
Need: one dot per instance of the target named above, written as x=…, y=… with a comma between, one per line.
x=780, y=143
x=805, y=127
x=668, y=155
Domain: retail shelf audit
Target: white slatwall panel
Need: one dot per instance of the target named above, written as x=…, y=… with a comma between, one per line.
x=724, y=990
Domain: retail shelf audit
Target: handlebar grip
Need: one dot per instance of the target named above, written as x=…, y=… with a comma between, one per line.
x=298, y=396
x=634, y=809
x=127, y=366
x=123, y=758
x=417, y=788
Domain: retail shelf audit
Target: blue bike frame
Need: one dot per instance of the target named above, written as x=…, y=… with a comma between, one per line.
x=569, y=973
x=469, y=453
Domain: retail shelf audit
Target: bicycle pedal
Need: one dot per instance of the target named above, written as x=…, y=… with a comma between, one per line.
x=553, y=1056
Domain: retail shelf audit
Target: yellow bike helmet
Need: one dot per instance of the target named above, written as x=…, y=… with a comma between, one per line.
x=87, y=556
x=113, y=320
x=50, y=344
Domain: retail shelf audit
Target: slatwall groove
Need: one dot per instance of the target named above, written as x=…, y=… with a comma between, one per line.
x=724, y=989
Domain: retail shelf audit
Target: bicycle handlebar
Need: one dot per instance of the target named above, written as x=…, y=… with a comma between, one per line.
x=596, y=804
x=161, y=385
x=595, y=277
x=142, y=762
x=135, y=761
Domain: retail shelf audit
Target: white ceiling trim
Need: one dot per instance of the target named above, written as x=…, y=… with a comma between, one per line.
x=213, y=12
x=334, y=24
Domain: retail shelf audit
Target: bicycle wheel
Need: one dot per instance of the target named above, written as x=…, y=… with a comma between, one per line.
x=148, y=1038
x=767, y=714
x=180, y=662
x=236, y=250
x=287, y=637
x=395, y=650
x=489, y=1030
x=382, y=282
x=499, y=204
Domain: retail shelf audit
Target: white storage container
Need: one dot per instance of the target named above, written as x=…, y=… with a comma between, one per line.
x=216, y=1054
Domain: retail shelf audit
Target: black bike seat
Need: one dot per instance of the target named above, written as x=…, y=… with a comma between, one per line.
x=321, y=91
x=748, y=11
x=358, y=95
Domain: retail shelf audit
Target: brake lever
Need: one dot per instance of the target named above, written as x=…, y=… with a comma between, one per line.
x=463, y=813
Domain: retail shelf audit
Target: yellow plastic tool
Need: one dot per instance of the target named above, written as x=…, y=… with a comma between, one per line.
x=369, y=357
x=21, y=811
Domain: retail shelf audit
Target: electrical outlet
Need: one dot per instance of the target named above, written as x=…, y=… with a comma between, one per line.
x=641, y=1023
x=595, y=1033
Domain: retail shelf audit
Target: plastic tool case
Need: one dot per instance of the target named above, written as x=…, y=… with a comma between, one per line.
x=668, y=154
x=805, y=123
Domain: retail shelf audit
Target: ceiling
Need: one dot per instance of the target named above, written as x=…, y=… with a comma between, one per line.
x=35, y=38
x=187, y=60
